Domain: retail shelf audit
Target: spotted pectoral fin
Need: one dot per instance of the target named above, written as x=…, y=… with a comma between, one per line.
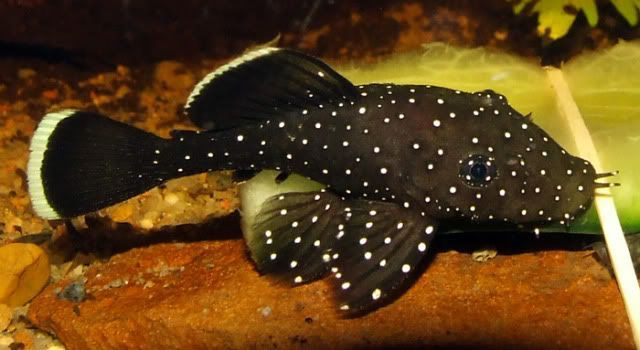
x=263, y=84
x=380, y=255
x=292, y=234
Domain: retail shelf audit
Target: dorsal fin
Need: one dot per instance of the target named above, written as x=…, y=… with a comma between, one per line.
x=263, y=84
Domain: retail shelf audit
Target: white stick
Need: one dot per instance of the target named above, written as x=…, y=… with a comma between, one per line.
x=614, y=237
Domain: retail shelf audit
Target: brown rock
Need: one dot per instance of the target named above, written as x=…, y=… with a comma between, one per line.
x=207, y=295
x=24, y=271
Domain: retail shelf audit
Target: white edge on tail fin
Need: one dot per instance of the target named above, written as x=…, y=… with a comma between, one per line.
x=37, y=149
x=233, y=64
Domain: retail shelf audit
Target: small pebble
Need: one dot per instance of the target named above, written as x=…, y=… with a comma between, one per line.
x=74, y=291
x=24, y=271
x=76, y=272
x=146, y=224
x=265, y=311
x=117, y=283
x=484, y=255
x=5, y=341
x=171, y=198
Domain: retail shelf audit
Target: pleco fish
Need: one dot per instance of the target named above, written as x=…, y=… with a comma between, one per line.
x=397, y=162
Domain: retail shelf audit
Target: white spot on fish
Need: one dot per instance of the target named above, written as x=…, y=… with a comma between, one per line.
x=375, y=295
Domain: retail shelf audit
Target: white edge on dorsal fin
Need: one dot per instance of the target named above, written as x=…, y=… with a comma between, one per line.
x=249, y=56
x=37, y=150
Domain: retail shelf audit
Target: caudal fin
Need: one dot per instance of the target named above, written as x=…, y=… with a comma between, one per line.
x=82, y=161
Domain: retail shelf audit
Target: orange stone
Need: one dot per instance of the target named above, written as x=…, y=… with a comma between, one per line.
x=208, y=295
x=24, y=271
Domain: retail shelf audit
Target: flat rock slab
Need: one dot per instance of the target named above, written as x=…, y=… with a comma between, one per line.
x=207, y=295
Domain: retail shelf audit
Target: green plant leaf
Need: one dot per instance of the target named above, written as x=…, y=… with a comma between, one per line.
x=553, y=18
x=628, y=9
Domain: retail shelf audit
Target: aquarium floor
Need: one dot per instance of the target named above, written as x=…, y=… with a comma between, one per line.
x=147, y=292
x=208, y=295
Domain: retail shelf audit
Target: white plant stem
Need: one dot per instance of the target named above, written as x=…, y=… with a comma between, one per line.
x=614, y=236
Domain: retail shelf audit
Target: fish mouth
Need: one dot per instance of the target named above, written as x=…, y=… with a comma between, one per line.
x=606, y=184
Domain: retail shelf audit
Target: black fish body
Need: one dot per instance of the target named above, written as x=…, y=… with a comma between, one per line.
x=397, y=160
x=397, y=143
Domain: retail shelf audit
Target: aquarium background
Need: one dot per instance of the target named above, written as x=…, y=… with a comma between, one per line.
x=169, y=268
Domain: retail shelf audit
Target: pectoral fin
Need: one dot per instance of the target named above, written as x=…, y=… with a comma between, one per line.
x=374, y=249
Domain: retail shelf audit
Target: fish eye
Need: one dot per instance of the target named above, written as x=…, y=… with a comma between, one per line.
x=478, y=170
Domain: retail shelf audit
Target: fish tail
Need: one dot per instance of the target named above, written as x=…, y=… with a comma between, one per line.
x=81, y=161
